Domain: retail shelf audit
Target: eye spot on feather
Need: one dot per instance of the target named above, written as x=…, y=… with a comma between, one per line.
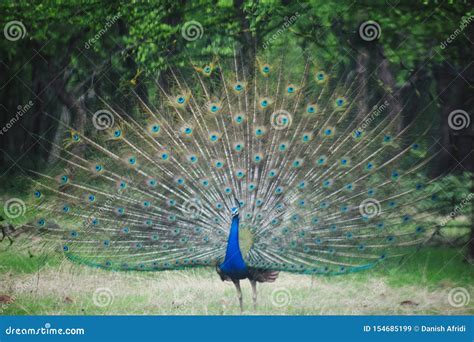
x=65, y=209
x=214, y=137
x=120, y=211
x=239, y=118
x=283, y=147
x=192, y=158
x=91, y=198
x=74, y=234
x=219, y=164
x=37, y=194
x=302, y=185
x=64, y=179
x=307, y=137
x=214, y=107
x=257, y=157
x=65, y=248
x=251, y=186
x=265, y=69
x=297, y=163
x=311, y=109
x=357, y=134
x=205, y=182
x=75, y=137
x=41, y=222
x=238, y=147
x=240, y=173
x=259, y=202
x=152, y=182
x=117, y=133
x=180, y=180
x=320, y=76
x=328, y=132
x=340, y=103
x=321, y=160
x=259, y=131
x=344, y=161
x=272, y=173
x=278, y=190
x=132, y=161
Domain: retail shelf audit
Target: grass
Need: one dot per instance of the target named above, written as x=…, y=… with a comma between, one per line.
x=50, y=285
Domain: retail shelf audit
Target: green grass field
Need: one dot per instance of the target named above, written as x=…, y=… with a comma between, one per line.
x=431, y=281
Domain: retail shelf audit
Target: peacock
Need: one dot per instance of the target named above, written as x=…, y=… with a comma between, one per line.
x=279, y=165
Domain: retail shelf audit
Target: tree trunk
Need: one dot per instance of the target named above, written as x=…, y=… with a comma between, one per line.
x=395, y=106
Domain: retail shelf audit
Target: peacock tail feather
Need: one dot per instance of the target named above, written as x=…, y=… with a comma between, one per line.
x=322, y=186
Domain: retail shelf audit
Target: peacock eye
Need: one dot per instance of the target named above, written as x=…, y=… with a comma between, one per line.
x=75, y=137
x=266, y=69
x=155, y=128
x=117, y=133
x=264, y=103
x=98, y=168
x=290, y=90
x=37, y=194
x=180, y=99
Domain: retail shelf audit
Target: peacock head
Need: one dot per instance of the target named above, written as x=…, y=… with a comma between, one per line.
x=235, y=212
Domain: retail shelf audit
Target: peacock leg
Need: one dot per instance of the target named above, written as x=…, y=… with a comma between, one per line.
x=239, y=294
x=254, y=293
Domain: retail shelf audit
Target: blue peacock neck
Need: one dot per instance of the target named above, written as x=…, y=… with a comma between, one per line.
x=234, y=264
